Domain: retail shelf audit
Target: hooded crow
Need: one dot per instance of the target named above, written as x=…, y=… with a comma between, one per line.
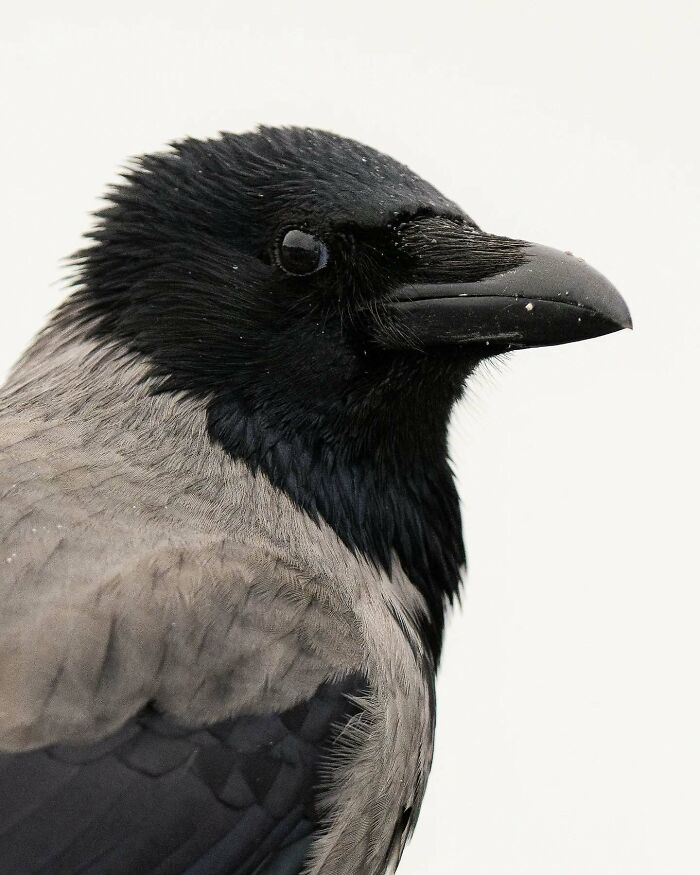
x=229, y=531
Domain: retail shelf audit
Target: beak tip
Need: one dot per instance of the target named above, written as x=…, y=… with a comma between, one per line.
x=623, y=318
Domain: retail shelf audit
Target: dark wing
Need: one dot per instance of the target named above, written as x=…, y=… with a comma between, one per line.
x=234, y=798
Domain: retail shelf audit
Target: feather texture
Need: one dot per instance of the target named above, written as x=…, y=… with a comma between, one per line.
x=234, y=798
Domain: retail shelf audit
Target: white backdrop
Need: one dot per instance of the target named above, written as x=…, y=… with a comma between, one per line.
x=569, y=723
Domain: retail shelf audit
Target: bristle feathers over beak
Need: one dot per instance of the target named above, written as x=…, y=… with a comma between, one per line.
x=472, y=288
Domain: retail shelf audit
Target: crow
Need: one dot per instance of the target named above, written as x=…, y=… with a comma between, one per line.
x=229, y=530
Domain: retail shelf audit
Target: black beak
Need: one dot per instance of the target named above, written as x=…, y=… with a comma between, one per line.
x=542, y=297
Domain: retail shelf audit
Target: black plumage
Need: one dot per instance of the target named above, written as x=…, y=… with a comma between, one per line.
x=236, y=796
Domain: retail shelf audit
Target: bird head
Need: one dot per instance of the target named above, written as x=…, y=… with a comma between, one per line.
x=327, y=304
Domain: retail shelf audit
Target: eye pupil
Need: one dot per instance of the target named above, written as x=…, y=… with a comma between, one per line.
x=301, y=253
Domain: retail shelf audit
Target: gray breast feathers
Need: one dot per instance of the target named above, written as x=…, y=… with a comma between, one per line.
x=108, y=602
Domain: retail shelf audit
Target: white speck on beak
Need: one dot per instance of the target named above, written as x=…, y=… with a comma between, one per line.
x=529, y=306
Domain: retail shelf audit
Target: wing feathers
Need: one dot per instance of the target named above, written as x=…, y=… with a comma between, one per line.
x=159, y=797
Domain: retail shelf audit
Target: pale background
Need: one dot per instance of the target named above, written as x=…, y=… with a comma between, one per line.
x=569, y=723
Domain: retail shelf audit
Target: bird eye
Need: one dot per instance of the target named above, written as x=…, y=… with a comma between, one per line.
x=301, y=253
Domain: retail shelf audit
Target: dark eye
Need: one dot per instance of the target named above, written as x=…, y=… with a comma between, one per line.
x=301, y=253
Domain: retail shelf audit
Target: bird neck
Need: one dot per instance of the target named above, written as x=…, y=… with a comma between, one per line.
x=389, y=497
